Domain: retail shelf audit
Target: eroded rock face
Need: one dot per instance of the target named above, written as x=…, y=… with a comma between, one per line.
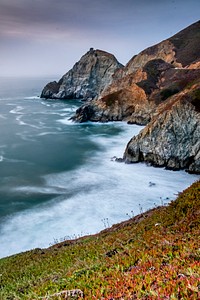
x=140, y=94
x=136, y=89
x=130, y=103
x=116, y=106
x=50, y=89
x=87, y=79
x=172, y=138
x=160, y=88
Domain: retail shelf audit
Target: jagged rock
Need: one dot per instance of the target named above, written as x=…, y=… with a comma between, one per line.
x=135, y=91
x=141, y=93
x=171, y=139
x=129, y=103
x=50, y=89
x=114, y=107
x=160, y=87
x=87, y=79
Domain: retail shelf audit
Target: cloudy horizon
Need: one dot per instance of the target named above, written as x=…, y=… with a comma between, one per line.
x=44, y=38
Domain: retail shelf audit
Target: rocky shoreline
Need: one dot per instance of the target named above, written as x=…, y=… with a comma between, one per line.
x=159, y=88
x=169, y=140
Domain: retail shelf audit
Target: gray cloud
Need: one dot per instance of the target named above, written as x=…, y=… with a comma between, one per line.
x=24, y=15
x=34, y=32
x=59, y=14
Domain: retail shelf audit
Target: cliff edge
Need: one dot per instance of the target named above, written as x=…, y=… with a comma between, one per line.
x=133, y=94
x=87, y=79
x=172, y=138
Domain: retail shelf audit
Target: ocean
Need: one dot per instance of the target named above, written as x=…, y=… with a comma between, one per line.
x=58, y=179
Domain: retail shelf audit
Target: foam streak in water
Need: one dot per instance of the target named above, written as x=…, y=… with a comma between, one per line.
x=99, y=189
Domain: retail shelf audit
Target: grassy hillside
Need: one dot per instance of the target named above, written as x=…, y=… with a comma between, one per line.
x=155, y=255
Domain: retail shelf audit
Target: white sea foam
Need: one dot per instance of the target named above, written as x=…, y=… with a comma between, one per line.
x=39, y=190
x=66, y=121
x=70, y=109
x=32, y=98
x=17, y=110
x=21, y=122
x=45, y=103
x=100, y=190
x=48, y=133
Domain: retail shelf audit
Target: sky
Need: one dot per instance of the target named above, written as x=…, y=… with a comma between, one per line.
x=46, y=37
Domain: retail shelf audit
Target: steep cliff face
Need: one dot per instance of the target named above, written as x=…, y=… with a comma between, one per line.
x=131, y=102
x=160, y=88
x=140, y=94
x=116, y=105
x=180, y=50
x=87, y=79
x=136, y=89
x=172, y=138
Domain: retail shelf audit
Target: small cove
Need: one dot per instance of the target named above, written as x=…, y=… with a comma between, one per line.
x=58, y=178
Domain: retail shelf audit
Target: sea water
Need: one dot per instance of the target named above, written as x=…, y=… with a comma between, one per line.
x=58, y=179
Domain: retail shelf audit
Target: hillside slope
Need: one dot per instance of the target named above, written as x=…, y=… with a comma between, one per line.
x=155, y=255
x=131, y=95
x=179, y=50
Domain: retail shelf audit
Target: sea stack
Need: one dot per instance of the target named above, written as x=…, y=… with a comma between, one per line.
x=87, y=79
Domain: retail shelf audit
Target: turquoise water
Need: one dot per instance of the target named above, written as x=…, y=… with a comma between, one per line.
x=58, y=177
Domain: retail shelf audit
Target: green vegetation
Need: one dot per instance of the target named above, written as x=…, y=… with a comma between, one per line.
x=166, y=93
x=180, y=84
x=155, y=255
x=153, y=73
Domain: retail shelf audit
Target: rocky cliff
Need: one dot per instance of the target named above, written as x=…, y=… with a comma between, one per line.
x=131, y=95
x=127, y=99
x=172, y=138
x=87, y=79
x=159, y=87
x=179, y=50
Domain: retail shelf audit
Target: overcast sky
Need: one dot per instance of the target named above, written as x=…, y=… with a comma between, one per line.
x=46, y=37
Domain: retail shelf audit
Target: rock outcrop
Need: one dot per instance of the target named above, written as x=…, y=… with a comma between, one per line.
x=172, y=138
x=159, y=87
x=87, y=79
x=133, y=93
x=131, y=102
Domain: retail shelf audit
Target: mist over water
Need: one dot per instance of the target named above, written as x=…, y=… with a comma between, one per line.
x=58, y=178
